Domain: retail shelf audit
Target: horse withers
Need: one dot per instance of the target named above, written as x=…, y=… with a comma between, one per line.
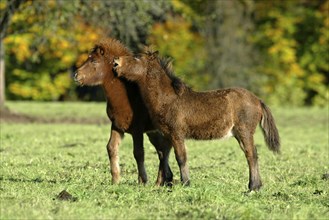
x=180, y=113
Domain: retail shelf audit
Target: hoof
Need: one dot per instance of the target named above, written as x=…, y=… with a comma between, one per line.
x=115, y=181
x=164, y=180
x=168, y=184
x=255, y=187
x=186, y=183
x=142, y=181
x=164, y=183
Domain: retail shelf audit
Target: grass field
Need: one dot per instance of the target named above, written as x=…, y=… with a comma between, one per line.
x=40, y=160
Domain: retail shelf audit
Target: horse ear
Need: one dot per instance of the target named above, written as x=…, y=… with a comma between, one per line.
x=101, y=50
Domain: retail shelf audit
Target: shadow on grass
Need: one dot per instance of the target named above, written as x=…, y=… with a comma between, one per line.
x=9, y=116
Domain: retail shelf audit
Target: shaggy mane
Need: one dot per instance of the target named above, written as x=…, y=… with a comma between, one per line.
x=112, y=48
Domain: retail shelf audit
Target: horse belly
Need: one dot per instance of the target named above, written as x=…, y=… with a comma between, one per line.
x=228, y=134
x=212, y=132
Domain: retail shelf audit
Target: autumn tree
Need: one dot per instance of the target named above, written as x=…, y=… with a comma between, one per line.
x=174, y=38
x=232, y=56
x=46, y=40
x=278, y=49
x=294, y=39
x=37, y=62
x=225, y=27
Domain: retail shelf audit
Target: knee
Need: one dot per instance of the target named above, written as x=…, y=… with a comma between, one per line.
x=112, y=149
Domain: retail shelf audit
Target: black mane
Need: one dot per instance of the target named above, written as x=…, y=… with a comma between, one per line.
x=178, y=85
x=166, y=64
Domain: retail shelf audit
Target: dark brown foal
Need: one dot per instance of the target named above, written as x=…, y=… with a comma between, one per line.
x=180, y=113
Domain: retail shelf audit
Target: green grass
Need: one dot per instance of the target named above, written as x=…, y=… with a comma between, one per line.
x=38, y=161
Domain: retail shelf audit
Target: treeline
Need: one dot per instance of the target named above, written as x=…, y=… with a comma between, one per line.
x=278, y=49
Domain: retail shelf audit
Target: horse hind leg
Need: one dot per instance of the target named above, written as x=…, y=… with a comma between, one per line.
x=181, y=158
x=250, y=151
x=163, y=147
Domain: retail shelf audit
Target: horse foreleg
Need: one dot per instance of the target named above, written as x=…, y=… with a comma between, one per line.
x=113, y=153
x=181, y=158
x=139, y=156
x=250, y=151
x=163, y=147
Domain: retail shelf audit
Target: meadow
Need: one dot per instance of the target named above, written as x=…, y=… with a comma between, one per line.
x=65, y=150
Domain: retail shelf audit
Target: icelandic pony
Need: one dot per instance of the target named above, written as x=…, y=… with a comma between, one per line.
x=180, y=113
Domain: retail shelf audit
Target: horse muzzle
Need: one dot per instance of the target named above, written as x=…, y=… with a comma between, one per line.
x=77, y=79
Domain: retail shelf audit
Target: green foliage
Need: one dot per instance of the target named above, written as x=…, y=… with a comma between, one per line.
x=131, y=21
x=277, y=49
x=175, y=39
x=192, y=10
x=295, y=42
x=38, y=161
x=46, y=39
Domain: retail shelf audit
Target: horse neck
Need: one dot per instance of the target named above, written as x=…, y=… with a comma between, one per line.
x=115, y=90
x=154, y=93
x=116, y=95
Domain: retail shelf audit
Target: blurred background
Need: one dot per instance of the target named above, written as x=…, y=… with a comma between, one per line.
x=277, y=49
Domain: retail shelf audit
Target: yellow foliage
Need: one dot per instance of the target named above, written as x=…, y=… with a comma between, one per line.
x=186, y=11
x=288, y=55
x=316, y=78
x=68, y=59
x=64, y=44
x=23, y=91
x=57, y=51
x=62, y=81
x=3, y=5
x=51, y=3
x=274, y=49
x=274, y=34
x=296, y=70
x=19, y=45
x=174, y=38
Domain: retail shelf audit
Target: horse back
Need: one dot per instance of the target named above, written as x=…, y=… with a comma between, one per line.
x=213, y=114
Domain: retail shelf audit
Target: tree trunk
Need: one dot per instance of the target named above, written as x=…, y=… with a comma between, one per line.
x=11, y=8
x=2, y=75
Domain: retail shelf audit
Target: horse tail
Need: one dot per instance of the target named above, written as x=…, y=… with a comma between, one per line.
x=270, y=131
